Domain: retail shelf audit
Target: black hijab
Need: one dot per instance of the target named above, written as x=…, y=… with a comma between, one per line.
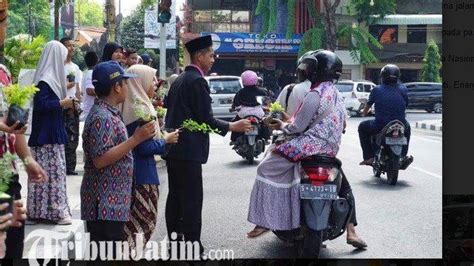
x=109, y=49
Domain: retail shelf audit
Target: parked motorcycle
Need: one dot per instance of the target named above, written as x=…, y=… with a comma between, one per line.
x=325, y=215
x=388, y=156
x=250, y=144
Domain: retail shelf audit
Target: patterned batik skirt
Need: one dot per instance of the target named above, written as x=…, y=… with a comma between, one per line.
x=144, y=213
x=48, y=200
x=275, y=199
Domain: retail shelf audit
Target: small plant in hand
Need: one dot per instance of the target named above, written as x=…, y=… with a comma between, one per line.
x=194, y=126
x=6, y=174
x=142, y=113
x=160, y=112
x=71, y=77
x=17, y=98
x=276, y=110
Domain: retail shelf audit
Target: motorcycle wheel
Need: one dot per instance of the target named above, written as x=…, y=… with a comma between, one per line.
x=312, y=243
x=393, y=166
x=250, y=156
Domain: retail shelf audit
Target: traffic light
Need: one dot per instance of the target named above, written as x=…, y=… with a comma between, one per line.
x=164, y=11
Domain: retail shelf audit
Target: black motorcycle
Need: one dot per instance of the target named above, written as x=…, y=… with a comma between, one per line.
x=389, y=144
x=250, y=144
x=325, y=215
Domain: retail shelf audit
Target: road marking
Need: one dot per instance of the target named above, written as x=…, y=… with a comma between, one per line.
x=426, y=172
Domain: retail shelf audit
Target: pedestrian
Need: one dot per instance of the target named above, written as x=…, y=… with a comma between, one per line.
x=71, y=115
x=10, y=222
x=91, y=60
x=146, y=182
x=147, y=60
x=189, y=98
x=131, y=57
x=106, y=188
x=112, y=51
x=48, y=200
x=14, y=141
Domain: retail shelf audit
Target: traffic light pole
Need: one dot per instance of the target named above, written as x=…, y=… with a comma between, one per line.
x=162, y=51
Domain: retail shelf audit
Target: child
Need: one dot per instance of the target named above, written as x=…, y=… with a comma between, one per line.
x=106, y=188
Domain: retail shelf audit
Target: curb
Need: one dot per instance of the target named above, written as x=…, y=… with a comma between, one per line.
x=435, y=125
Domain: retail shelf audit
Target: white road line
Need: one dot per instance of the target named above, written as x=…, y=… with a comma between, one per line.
x=426, y=172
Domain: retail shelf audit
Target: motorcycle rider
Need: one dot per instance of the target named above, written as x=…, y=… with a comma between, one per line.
x=277, y=172
x=391, y=100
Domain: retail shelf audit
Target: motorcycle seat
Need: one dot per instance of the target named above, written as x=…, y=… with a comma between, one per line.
x=379, y=137
x=320, y=159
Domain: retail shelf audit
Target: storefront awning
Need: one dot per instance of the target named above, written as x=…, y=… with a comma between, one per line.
x=412, y=19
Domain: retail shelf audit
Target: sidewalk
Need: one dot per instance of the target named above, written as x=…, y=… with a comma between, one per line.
x=436, y=125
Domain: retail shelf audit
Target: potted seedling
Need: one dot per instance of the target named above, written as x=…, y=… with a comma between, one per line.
x=160, y=112
x=276, y=111
x=6, y=174
x=71, y=77
x=143, y=114
x=17, y=98
x=193, y=126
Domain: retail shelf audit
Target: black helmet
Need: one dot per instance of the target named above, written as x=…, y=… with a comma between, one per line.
x=389, y=74
x=329, y=66
x=306, y=69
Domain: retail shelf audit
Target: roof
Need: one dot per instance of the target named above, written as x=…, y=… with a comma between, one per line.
x=411, y=19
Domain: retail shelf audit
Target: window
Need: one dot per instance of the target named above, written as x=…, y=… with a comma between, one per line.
x=240, y=16
x=219, y=16
x=224, y=86
x=360, y=87
x=367, y=88
x=241, y=27
x=344, y=87
x=202, y=27
x=416, y=34
x=221, y=21
x=202, y=16
x=346, y=74
x=385, y=34
x=221, y=27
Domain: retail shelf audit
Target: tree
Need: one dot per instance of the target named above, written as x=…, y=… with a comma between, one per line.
x=90, y=13
x=133, y=29
x=21, y=53
x=431, y=63
x=28, y=16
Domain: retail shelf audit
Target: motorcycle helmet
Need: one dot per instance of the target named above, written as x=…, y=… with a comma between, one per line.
x=329, y=66
x=389, y=74
x=249, y=78
x=306, y=68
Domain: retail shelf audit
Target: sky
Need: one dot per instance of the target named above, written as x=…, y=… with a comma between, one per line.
x=129, y=5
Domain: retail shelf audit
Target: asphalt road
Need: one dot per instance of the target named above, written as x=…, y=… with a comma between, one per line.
x=402, y=221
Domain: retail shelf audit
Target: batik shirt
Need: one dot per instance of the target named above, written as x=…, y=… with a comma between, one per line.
x=105, y=193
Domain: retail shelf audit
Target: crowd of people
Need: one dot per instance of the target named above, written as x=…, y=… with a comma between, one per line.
x=120, y=186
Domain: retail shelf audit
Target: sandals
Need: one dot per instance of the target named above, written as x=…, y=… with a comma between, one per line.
x=357, y=243
x=257, y=231
x=368, y=162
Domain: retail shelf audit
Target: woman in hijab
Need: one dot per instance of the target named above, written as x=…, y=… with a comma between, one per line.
x=112, y=51
x=47, y=201
x=145, y=190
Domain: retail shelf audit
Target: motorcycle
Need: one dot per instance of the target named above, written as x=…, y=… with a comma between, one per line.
x=324, y=215
x=250, y=144
x=388, y=156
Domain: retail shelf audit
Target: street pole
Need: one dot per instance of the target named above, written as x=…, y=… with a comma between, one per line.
x=162, y=51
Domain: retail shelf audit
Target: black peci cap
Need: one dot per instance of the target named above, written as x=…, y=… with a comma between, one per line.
x=199, y=44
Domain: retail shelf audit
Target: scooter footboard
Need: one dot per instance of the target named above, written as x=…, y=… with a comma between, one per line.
x=316, y=213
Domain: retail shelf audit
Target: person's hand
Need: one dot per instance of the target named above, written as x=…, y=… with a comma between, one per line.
x=67, y=103
x=145, y=132
x=35, y=172
x=286, y=117
x=3, y=247
x=19, y=213
x=12, y=129
x=243, y=125
x=276, y=124
x=6, y=220
x=171, y=138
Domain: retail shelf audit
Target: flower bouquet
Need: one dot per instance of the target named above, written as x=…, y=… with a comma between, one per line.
x=17, y=99
x=193, y=126
x=6, y=174
x=143, y=114
x=276, y=111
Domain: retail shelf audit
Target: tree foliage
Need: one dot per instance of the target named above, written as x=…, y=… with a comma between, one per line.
x=133, y=29
x=359, y=47
x=431, y=63
x=365, y=12
x=20, y=17
x=21, y=53
x=90, y=13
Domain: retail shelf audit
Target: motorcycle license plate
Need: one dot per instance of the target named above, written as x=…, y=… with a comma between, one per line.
x=308, y=191
x=396, y=141
x=253, y=132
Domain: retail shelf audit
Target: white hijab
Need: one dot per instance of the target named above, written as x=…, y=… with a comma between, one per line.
x=50, y=68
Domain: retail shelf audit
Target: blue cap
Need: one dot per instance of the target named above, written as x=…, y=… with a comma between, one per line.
x=106, y=74
x=146, y=58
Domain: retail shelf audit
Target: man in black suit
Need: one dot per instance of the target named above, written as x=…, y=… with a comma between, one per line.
x=189, y=98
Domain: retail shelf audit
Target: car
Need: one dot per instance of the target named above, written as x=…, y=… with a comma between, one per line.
x=355, y=94
x=425, y=95
x=223, y=90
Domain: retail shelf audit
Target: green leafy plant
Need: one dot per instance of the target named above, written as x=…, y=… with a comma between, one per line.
x=194, y=126
x=431, y=63
x=21, y=53
x=15, y=95
x=142, y=112
x=6, y=173
x=160, y=112
x=276, y=108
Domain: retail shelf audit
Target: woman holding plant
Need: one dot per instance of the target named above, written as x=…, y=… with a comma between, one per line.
x=48, y=201
x=137, y=110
